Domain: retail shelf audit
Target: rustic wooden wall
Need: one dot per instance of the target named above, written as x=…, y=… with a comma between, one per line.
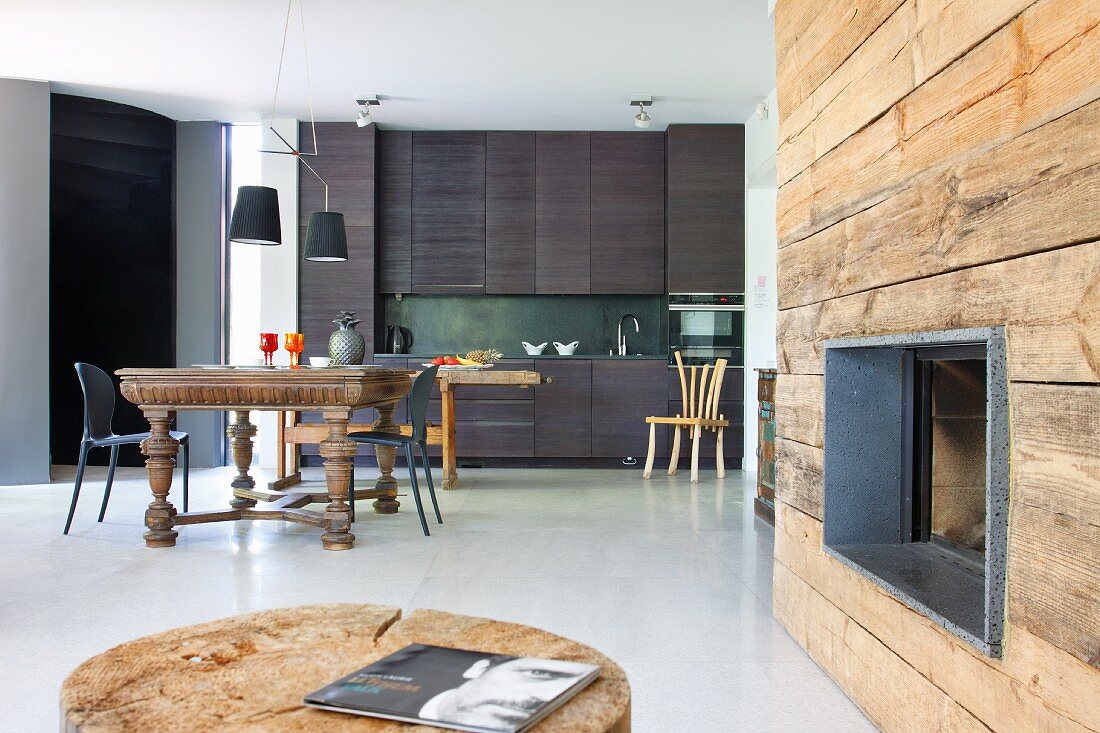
x=939, y=167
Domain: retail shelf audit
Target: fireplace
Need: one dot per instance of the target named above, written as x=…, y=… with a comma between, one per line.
x=916, y=472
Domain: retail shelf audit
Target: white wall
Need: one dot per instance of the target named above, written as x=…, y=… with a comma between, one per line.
x=24, y=281
x=760, y=252
x=278, y=267
x=200, y=196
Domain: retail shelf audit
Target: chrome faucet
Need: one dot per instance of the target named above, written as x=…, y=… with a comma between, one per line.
x=622, y=338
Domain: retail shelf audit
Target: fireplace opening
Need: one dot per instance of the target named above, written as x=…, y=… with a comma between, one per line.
x=916, y=471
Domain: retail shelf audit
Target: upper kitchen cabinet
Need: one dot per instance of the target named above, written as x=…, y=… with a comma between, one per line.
x=395, y=211
x=628, y=212
x=706, y=208
x=509, y=212
x=346, y=159
x=448, y=212
x=562, y=212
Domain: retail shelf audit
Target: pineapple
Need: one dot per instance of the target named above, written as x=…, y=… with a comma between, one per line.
x=484, y=356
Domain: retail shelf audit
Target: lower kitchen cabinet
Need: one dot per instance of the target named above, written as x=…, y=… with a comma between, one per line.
x=563, y=410
x=624, y=393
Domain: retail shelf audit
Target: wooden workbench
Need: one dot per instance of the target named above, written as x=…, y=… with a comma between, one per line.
x=292, y=433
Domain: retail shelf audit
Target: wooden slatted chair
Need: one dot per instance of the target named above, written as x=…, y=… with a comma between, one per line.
x=697, y=416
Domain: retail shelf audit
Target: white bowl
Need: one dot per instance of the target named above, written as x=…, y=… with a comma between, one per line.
x=566, y=349
x=319, y=361
x=532, y=349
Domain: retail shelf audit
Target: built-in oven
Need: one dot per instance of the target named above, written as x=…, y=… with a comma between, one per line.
x=705, y=327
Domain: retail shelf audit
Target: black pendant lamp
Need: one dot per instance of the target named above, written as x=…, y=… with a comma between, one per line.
x=256, y=217
x=326, y=237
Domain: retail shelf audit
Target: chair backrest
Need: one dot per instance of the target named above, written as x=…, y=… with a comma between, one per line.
x=99, y=400
x=418, y=402
x=709, y=390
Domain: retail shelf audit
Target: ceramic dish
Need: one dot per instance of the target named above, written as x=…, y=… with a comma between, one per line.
x=459, y=367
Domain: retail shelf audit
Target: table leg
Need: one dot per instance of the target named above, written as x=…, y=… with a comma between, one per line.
x=338, y=452
x=386, y=456
x=240, y=433
x=450, y=469
x=160, y=449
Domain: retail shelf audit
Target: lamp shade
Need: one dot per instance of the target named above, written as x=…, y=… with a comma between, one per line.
x=255, y=218
x=326, y=238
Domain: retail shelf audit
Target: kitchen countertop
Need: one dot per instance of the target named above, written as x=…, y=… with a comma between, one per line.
x=635, y=357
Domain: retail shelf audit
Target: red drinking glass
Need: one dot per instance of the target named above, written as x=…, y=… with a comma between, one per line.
x=294, y=344
x=269, y=344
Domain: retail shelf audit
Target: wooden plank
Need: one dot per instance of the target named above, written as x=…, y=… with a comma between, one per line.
x=1036, y=69
x=800, y=408
x=1050, y=302
x=837, y=29
x=799, y=476
x=917, y=41
x=983, y=210
x=1054, y=580
x=1032, y=687
x=873, y=676
x=1055, y=461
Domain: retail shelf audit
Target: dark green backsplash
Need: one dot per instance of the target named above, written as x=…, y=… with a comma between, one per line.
x=443, y=324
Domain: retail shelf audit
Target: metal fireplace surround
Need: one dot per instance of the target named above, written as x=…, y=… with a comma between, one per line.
x=867, y=494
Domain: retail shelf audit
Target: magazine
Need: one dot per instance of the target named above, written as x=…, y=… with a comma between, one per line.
x=458, y=689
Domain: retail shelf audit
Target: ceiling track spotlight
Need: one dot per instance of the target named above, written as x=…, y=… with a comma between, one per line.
x=366, y=101
x=642, y=120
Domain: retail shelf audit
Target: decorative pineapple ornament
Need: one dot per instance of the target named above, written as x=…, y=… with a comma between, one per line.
x=484, y=356
x=346, y=346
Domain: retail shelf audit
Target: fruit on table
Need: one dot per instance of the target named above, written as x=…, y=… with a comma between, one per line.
x=451, y=361
x=439, y=361
x=482, y=356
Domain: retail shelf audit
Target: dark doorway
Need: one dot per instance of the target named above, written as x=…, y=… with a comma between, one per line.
x=112, y=258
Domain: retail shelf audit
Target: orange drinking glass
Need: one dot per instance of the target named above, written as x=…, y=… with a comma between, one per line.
x=294, y=344
x=269, y=344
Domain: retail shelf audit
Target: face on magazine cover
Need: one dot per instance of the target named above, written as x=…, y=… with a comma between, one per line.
x=505, y=693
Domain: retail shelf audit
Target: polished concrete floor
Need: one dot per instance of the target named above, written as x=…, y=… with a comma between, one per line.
x=670, y=579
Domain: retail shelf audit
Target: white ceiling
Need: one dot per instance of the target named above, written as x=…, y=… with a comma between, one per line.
x=437, y=64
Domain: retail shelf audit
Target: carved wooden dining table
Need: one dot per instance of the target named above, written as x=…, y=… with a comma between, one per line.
x=335, y=392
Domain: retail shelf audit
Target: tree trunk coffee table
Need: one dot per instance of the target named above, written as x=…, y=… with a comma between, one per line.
x=337, y=393
x=250, y=672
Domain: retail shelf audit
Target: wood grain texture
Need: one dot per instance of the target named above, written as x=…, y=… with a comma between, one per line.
x=395, y=211
x=1050, y=303
x=821, y=44
x=562, y=213
x=918, y=40
x=346, y=160
x=800, y=408
x=563, y=410
x=1033, y=687
x=705, y=208
x=326, y=288
x=874, y=677
x=624, y=393
x=249, y=672
x=982, y=210
x=509, y=212
x=1054, y=579
x=448, y=212
x=799, y=476
x=1035, y=69
x=628, y=212
x=1056, y=466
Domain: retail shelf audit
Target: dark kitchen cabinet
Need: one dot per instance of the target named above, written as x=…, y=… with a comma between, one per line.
x=395, y=211
x=628, y=212
x=509, y=212
x=448, y=212
x=562, y=212
x=706, y=208
x=563, y=410
x=624, y=393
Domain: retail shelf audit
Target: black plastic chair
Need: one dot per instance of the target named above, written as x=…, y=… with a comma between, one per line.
x=418, y=411
x=99, y=412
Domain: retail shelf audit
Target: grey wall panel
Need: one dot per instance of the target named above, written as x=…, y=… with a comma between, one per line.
x=24, y=281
